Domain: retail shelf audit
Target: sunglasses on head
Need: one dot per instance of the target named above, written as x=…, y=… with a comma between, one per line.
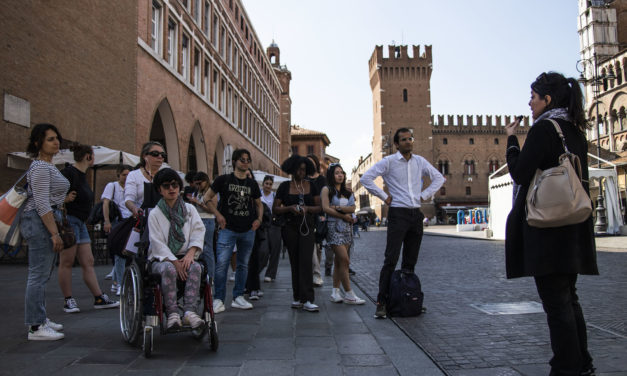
x=173, y=185
x=410, y=139
x=156, y=154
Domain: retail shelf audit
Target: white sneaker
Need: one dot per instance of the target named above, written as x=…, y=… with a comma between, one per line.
x=297, y=304
x=53, y=325
x=232, y=277
x=174, y=321
x=259, y=293
x=310, y=307
x=44, y=333
x=192, y=319
x=317, y=281
x=267, y=279
x=336, y=296
x=119, y=290
x=241, y=303
x=114, y=287
x=253, y=295
x=351, y=298
x=110, y=275
x=218, y=306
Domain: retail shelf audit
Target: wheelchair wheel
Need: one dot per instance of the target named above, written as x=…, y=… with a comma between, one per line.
x=148, y=333
x=131, y=305
x=213, y=336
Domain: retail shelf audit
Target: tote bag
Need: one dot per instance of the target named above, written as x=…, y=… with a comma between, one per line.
x=11, y=207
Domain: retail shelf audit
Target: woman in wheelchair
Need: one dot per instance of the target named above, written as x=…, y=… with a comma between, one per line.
x=177, y=235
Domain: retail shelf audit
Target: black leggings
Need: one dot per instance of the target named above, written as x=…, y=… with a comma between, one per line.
x=300, y=249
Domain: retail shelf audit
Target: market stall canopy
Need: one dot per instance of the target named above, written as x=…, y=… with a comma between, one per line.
x=103, y=157
x=259, y=175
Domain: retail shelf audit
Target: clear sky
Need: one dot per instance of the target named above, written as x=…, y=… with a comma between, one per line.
x=485, y=55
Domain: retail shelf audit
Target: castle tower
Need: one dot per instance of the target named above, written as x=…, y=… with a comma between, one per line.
x=285, y=105
x=401, y=98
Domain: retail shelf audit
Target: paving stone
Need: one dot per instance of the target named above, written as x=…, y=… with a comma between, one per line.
x=354, y=344
x=267, y=368
x=370, y=371
x=365, y=360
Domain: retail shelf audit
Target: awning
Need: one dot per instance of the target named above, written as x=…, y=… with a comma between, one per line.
x=103, y=157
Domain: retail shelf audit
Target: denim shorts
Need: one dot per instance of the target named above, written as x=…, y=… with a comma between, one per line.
x=80, y=230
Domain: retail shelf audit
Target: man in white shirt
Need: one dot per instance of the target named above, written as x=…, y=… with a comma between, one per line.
x=402, y=173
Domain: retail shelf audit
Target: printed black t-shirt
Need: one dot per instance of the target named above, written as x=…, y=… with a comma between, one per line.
x=237, y=201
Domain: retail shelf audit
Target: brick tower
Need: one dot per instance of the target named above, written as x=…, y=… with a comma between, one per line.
x=401, y=98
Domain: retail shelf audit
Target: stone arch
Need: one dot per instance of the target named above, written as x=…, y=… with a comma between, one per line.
x=197, y=150
x=163, y=129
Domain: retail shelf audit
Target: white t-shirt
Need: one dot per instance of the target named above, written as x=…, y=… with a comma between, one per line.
x=134, y=187
x=114, y=192
x=268, y=200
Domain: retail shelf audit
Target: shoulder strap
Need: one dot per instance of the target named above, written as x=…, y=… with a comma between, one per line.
x=560, y=134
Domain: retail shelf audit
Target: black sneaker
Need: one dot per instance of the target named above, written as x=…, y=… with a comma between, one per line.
x=104, y=302
x=588, y=371
x=351, y=271
x=381, y=312
x=327, y=272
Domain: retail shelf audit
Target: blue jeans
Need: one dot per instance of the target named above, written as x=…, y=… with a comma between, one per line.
x=207, y=251
x=227, y=239
x=41, y=258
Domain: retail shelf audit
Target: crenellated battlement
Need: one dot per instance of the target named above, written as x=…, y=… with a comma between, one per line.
x=399, y=55
x=473, y=121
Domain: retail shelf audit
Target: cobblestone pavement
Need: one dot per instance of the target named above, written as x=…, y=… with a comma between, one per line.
x=457, y=273
x=271, y=339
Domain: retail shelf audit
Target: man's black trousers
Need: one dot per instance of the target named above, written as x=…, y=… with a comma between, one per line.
x=404, y=229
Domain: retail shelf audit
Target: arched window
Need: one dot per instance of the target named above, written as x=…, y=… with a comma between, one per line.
x=471, y=141
x=469, y=167
x=619, y=74
x=443, y=167
x=445, y=141
x=494, y=165
x=404, y=95
x=496, y=141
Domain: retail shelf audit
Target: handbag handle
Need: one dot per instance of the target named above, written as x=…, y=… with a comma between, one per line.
x=573, y=158
x=559, y=133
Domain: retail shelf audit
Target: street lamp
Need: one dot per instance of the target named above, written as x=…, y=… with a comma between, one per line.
x=600, y=225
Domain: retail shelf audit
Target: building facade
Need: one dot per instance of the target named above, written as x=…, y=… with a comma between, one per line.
x=465, y=148
x=308, y=141
x=190, y=73
x=602, y=27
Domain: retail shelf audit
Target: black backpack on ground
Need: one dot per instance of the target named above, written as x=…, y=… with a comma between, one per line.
x=405, y=297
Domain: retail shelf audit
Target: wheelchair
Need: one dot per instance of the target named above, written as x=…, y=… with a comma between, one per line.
x=142, y=310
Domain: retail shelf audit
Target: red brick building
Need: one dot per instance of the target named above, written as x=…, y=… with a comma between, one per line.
x=190, y=73
x=308, y=141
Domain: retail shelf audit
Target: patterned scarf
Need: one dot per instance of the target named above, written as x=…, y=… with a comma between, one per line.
x=176, y=215
x=554, y=113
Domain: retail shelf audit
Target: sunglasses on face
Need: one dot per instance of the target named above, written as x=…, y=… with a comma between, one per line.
x=244, y=160
x=173, y=185
x=156, y=154
x=410, y=139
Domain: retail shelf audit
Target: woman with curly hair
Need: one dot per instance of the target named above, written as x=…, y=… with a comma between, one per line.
x=299, y=201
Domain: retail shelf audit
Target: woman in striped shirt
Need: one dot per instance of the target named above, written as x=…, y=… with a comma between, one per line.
x=47, y=190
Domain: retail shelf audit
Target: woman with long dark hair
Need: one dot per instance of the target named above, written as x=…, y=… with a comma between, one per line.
x=81, y=199
x=298, y=201
x=47, y=190
x=553, y=256
x=339, y=205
